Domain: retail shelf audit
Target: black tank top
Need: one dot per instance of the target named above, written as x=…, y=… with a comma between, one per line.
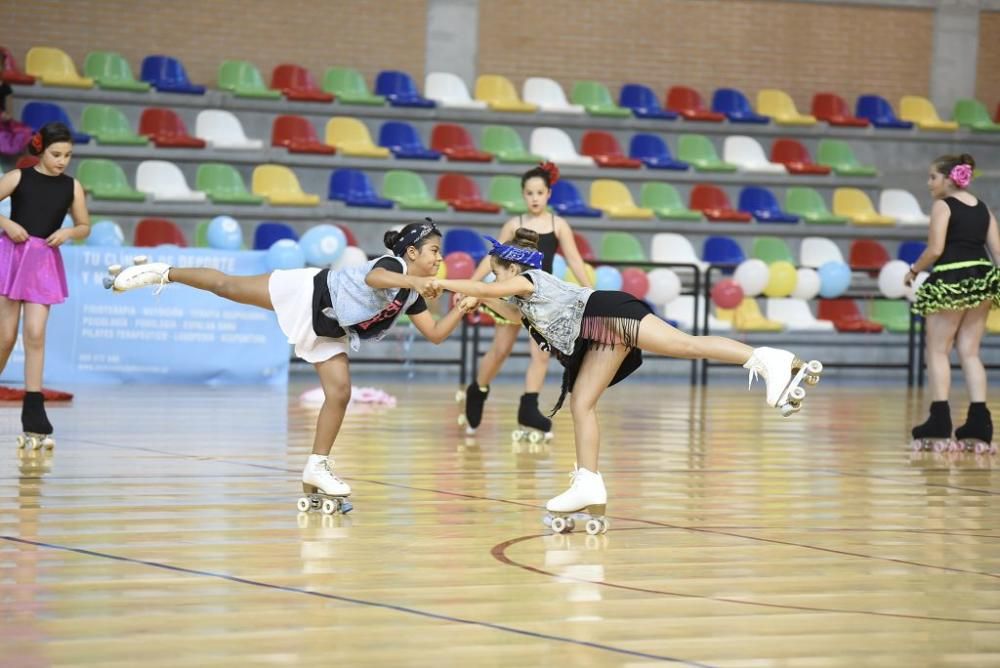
x=40, y=203
x=547, y=244
x=966, y=237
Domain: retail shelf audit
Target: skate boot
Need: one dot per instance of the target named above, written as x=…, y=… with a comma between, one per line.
x=140, y=274
x=976, y=435
x=35, y=423
x=783, y=372
x=532, y=425
x=475, y=397
x=585, y=501
x=935, y=433
x=323, y=490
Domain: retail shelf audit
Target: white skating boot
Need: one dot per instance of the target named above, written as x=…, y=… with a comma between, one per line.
x=139, y=275
x=323, y=490
x=586, y=499
x=783, y=372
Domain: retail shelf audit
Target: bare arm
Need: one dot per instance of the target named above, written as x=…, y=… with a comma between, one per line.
x=940, y=215
x=437, y=331
x=567, y=243
x=383, y=278
x=506, y=234
x=8, y=183
x=517, y=286
x=993, y=238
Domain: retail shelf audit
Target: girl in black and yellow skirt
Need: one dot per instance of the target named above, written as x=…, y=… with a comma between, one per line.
x=955, y=300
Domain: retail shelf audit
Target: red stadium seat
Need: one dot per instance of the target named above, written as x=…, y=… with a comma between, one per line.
x=156, y=232
x=11, y=73
x=166, y=129
x=712, y=202
x=832, y=108
x=463, y=194
x=296, y=83
x=845, y=316
x=351, y=239
x=604, y=149
x=582, y=245
x=687, y=102
x=795, y=157
x=298, y=135
x=868, y=255
x=456, y=144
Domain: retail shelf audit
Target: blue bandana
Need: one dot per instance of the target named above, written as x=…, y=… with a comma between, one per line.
x=525, y=256
x=414, y=237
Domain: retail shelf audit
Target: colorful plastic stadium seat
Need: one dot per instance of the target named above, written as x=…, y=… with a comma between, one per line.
x=548, y=96
x=712, y=202
x=748, y=155
x=614, y=198
x=506, y=145
x=268, y=233
x=832, y=108
x=722, y=250
x=666, y=202
x=604, y=149
x=349, y=86
x=298, y=135
x=112, y=72
x=456, y=144
x=747, y=318
x=654, y=152
x=280, y=186
x=350, y=137
x=221, y=129
x=700, y=152
x=687, y=102
x=352, y=187
x=779, y=105
x=795, y=157
x=893, y=315
x=809, y=205
x=972, y=114
x=150, y=232
x=404, y=142
x=814, y=252
x=735, y=105
x=167, y=75
x=224, y=185
x=555, y=145
x=854, y=203
x=462, y=194
x=506, y=191
x=846, y=317
x=762, y=205
x=110, y=126
x=878, y=110
x=771, y=249
x=348, y=234
x=621, y=247
x=399, y=88
x=166, y=129
x=643, y=103
x=165, y=182
x=448, y=90
x=243, y=79
x=910, y=251
x=566, y=200
x=921, y=111
x=583, y=245
x=868, y=255
x=464, y=240
x=54, y=68
x=104, y=179
x=11, y=73
x=838, y=155
x=682, y=309
x=499, y=93
x=670, y=247
x=408, y=190
x=903, y=206
x=795, y=315
x=596, y=99
x=297, y=84
x=993, y=321
x=37, y=114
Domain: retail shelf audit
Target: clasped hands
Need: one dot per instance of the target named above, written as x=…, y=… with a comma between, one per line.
x=430, y=288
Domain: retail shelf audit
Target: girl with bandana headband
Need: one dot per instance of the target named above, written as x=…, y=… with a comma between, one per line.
x=599, y=337
x=324, y=313
x=955, y=300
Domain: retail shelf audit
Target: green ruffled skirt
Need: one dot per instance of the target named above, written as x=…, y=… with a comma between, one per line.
x=958, y=286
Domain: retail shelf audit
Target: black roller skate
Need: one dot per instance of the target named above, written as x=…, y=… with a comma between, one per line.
x=934, y=434
x=35, y=423
x=976, y=435
x=532, y=425
x=475, y=397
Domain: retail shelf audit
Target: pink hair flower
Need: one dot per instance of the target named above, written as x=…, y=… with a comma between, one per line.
x=961, y=175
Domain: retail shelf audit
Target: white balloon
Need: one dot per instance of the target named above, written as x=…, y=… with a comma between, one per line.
x=664, y=286
x=891, y=277
x=752, y=276
x=806, y=284
x=911, y=292
x=351, y=257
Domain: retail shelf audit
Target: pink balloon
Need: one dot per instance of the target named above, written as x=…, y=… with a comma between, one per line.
x=635, y=282
x=727, y=294
x=459, y=265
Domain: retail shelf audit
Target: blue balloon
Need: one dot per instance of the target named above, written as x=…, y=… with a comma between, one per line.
x=834, y=279
x=558, y=266
x=5, y=208
x=105, y=233
x=68, y=221
x=323, y=245
x=224, y=233
x=608, y=278
x=285, y=254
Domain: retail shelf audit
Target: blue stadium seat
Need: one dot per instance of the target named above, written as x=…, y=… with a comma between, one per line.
x=722, y=250
x=168, y=75
x=653, y=152
x=268, y=232
x=736, y=107
x=567, y=201
x=399, y=89
x=465, y=240
x=352, y=187
x=404, y=142
x=643, y=103
x=878, y=110
x=909, y=251
x=37, y=114
x=761, y=203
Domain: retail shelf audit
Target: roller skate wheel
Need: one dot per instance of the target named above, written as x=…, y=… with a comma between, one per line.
x=559, y=525
x=303, y=505
x=115, y=269
x=330, y=506
x=461, y=420
x=812, y=380
x=796, y=395
x=140, y=259
x=594, y=527
x=940, y=446
x=570, y=524
x=21, y=442
x=534, y=437
x=787, y=410
x=815, y=367
x=49, y=443
x=516, y=435
x=459, y=396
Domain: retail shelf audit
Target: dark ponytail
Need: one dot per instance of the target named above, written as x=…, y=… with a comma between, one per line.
x=51, y=133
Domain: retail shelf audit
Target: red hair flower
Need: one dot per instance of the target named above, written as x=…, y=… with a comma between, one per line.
x=550, y=169
x=36, y=142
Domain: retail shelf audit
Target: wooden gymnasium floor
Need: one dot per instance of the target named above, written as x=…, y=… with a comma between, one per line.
x=163, y=532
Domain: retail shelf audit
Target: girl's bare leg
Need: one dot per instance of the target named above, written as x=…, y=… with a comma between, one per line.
x=10, y=315
x=941, y=329
x=659, y=337
x=250, y=290
x=596, y=371
x=970, y=335
x=36, y=317
x=335, y=377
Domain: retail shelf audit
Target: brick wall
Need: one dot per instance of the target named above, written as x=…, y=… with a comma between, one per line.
x=988, y=67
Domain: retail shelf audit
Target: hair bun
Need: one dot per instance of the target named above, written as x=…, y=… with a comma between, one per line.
x=390, y=238
x=526, y=238
x=552, y=170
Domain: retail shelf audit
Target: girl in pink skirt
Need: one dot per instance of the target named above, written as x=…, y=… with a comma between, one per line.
x=32, y=277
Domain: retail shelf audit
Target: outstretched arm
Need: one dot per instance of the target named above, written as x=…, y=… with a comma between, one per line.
x=518, y=286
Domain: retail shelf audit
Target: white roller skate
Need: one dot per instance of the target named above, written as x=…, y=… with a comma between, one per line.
x=323, y=490
x=585, y=501
x=140, y=274
x=783, y=372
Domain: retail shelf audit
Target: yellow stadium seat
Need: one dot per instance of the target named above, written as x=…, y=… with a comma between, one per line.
x=855, y=204
x=747, y=317
x=350, y=137
x=779, y=105
x=55, y=68
x=993, y=321
x=281, y=187
x=498, y=92
x=614, y=198
x=921, y=111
